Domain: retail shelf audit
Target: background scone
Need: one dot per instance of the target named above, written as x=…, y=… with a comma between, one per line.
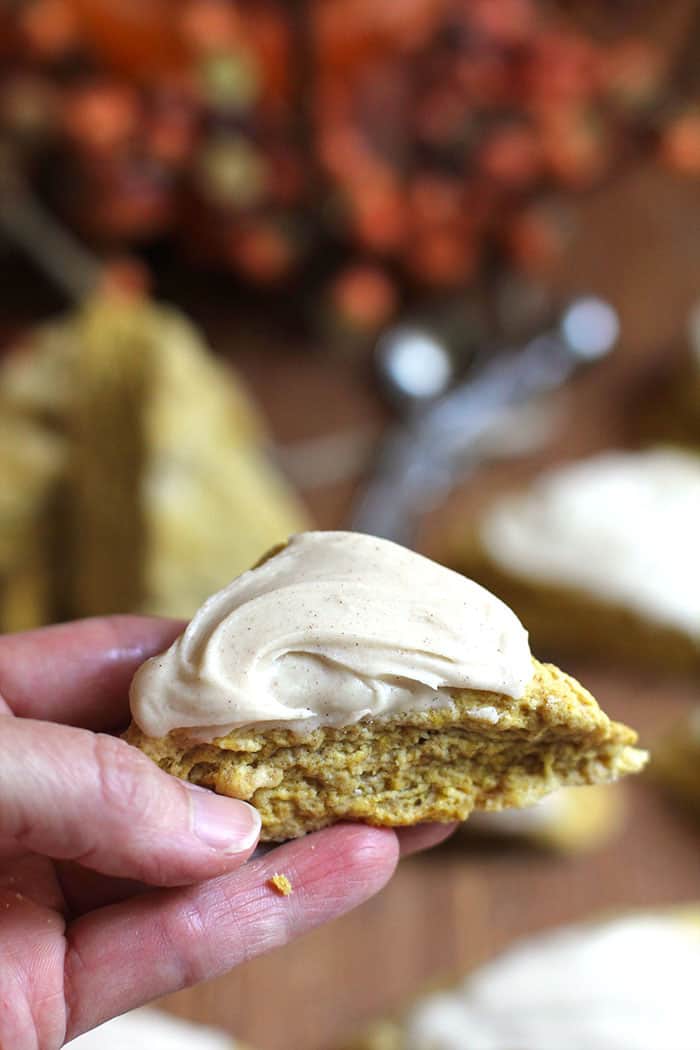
x=165, y=480
x=676, y=763
x=674, y=415
x=571, y=820
x=149, y=1029
x=348, y=678
x=627, y=983
x=600, y=557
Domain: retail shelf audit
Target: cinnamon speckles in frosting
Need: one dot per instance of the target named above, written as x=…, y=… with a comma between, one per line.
x=334, y=628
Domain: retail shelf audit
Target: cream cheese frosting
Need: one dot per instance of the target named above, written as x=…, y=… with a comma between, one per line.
x=628, y=984
x=336, y=627
x=621, y=526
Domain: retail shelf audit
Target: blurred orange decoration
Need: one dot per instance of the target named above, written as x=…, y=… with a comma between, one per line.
x=410, y=142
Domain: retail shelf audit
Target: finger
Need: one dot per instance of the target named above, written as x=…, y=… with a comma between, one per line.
x=32, y=1012
x=84, y=890
x=74, y=795
x=79, y=673
x=167, y=940
x=423, y=836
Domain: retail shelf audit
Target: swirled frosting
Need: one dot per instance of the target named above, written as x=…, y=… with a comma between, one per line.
x=334, y=628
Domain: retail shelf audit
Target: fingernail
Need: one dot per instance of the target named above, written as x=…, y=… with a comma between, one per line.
x=225, y=824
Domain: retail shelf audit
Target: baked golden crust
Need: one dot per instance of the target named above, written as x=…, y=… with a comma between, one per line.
x=434, y=765
x=563, y=620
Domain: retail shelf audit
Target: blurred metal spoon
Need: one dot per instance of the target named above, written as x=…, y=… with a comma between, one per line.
x=421, y=457
x=414, y=367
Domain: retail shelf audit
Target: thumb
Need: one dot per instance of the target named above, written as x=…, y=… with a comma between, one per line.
x=75, y=795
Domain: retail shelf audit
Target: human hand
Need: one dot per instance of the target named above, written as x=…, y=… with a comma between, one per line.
x=89, y=827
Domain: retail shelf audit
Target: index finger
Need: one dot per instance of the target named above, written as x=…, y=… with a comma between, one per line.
x=79, y=673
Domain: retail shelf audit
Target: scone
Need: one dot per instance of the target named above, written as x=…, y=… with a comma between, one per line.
x=628, y=983
x=149, y=1029
x=169, y=482
x=676, y=763
x=674, y=414
x=31, y=465
x=346, y=678
x=599, y=557
x=571, y=820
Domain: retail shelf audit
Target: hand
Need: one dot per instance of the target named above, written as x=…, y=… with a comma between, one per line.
x=89, y=826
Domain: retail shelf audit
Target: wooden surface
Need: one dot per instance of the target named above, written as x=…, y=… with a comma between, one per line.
x=640, y=245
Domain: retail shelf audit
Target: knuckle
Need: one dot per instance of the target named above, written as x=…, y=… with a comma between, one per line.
x=121, y=783
x=184, y=935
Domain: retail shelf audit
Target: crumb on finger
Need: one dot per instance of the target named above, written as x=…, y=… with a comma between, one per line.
x=281, y=884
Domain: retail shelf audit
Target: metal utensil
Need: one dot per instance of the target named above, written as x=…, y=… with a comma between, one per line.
x=413, y=366
x=421, y=457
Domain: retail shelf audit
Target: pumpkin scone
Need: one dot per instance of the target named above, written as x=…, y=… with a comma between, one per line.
x=676, y=761
x=626, y=982
x=571, y=820
x=347, y=678
x=152, y=1029
x=598, y=557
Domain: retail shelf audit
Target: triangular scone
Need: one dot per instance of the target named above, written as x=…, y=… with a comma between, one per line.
x=483, y=751
x=169, y=485
x=598, y=557
x=347, y=678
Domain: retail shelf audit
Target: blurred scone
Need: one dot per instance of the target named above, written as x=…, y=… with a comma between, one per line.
x=149, y=1029
x=169, y=488
x=676, y=761
x=346, y=678
x=570, y=820
x=599, y=557
x=627, y=983
x=31, y=464
x=674, y=415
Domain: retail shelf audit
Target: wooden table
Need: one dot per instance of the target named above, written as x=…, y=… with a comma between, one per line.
x=639, y=244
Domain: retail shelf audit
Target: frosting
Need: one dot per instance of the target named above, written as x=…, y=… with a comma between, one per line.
x=154, y=1030
x=336, y=627
x=622, y=526
x=630, y=984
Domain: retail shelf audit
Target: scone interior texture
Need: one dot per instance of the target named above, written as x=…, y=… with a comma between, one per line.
x=482, y=751
x=347, y=650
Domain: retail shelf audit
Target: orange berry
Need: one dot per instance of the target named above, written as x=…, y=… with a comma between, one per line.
x=363, y=296
x=49, y=27
x=535, y=241
x=262, y=252
x=511, y=156
x=209, y=25
x=680, y=144
x=101, y=117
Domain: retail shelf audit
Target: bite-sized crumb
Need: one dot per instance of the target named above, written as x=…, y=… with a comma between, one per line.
x=281, y=884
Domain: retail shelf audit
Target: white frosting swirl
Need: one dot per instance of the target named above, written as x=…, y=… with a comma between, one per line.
x=336, y=627
x=621, y=526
